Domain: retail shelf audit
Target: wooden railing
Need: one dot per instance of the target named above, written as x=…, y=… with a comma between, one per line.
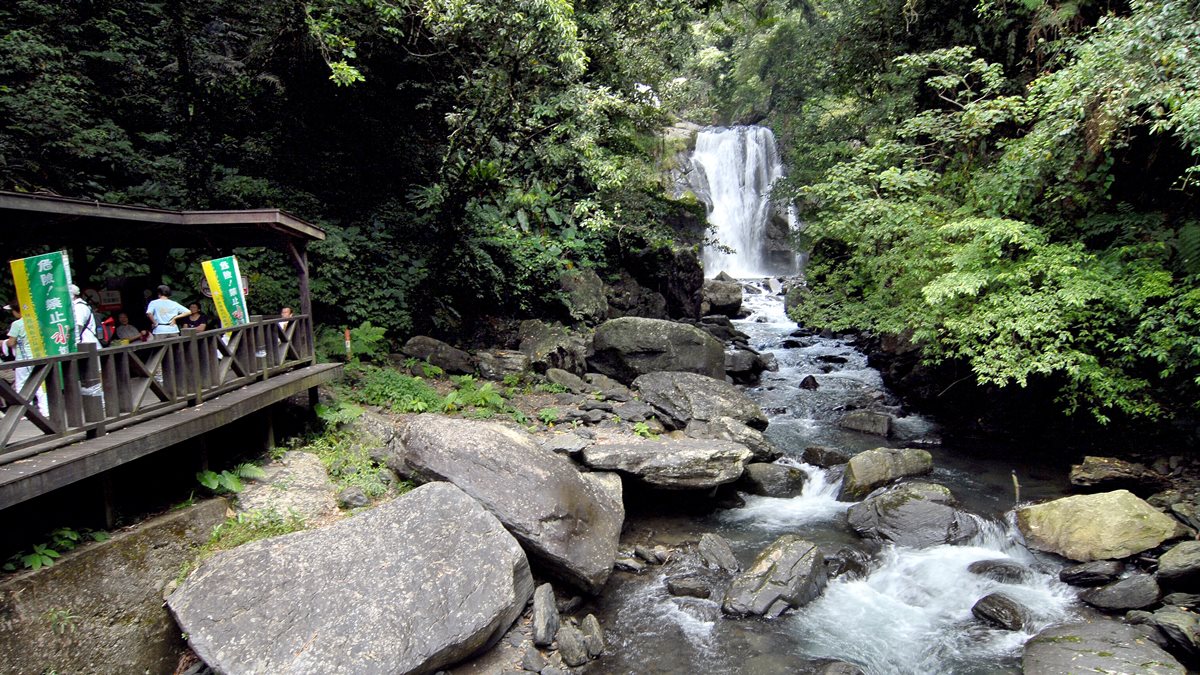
x=94, y=391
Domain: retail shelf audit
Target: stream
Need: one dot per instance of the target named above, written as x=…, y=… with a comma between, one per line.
x=911, y=611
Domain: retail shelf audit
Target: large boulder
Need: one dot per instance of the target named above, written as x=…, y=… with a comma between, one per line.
x=296, y=484
x=789, y=573
x=496, y=364
x=745, y=366
x=567, y=521
x=584, y=295
x=1096, y=647
x=1133, y=592
x=729, y=429
x=912, y=514
x=773, y=480
x=631, y=346
x=683, y=397
x=1178, y=629
x=718, y=296
x=1100, y=526
x=626, y=297
x=411, y=586
x=876, y=468
x=868, y=422
x=450, y=359
x=551, y=346
x=1179, y=567
x=1096, y=474
x=681, y=464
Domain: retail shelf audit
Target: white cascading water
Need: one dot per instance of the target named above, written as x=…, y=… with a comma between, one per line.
x=740, y=165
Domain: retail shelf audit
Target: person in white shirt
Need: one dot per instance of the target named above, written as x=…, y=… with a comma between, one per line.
x=18, y=342
x=85, y=319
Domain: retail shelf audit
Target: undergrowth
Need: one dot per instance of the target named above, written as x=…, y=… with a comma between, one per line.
x=243, y=529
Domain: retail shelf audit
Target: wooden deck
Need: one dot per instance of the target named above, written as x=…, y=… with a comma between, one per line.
x=25, y=479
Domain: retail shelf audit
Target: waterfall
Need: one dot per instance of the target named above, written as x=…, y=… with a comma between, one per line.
x=735, y=169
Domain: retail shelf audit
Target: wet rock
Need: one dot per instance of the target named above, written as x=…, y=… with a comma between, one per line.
x=1095, y=573
x=1097, y=647
x=716, y=552
x=1002, y=611
x=746, y=366
x=629, y=564
x=729, y=429
x=875, y=468
x=1096, y=527
x=584, y=295
x=568, y=521
x=848, y=562
x=549, y=346
x=868, y=422
x=628, y=347
x=353, y=497
x=683, y=397
x=1004, y=571
x=1187, y=514
x=450, y=359
x=672, y=463
x=689, y=585
x=266, y=605
x=912, y=514
x=496, y=364
x=788, y=574
x=593, y=635
x=545, y=616
x=720, y=297
x=824, y=457
x=773, y=480
x=1110, y=473
x=1179, y=630
x=1134, y=592
x=1179, y=567
x=646, y=554
x=571, y=647
x=569, y=381
x=809, y=382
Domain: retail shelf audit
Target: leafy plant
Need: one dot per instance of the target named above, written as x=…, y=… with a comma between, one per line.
x=550, y=388
x=548, y=416
x=61, y=620
x=470, y=394
x=230, y=482
x=338, y=414
x=41, y=556
x=390, y=388
x=642, y=429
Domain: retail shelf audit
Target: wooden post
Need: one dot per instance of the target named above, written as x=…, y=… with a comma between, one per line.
x=92, y=389
x=269, y=431
x=300, y=262
x=191, y=365
x=109, y=497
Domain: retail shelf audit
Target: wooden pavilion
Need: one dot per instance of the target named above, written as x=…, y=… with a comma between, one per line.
x=111, y=406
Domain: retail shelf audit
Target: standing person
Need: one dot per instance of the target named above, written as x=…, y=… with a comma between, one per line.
x=18, y=341
x=163, y=313
x=85, y=319
x=194, y=319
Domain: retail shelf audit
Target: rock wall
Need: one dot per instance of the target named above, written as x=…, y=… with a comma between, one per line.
x=100, y=609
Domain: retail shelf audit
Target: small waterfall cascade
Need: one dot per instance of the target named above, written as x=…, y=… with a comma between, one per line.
x=734, y=170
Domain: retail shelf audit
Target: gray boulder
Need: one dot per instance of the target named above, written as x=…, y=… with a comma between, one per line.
x=912, y=514
x=630, y=346
x=297, y=483
x=868, y=422
x=311, y=601
x=1096, y=647
x=450, y=359
x=1109, y=473
x=789, y=573
x=1004, y=571
x=496, y=364
x=729, y=429
x=690, y=464
x=545, y=616
x=571, y=646
x=1101, y=526
x=683, y=397
x=569, y=381
x=875, y=468
x=1179, y=567
x=824, y=457
x=585, y=299
x=773, y=480
x=1133, y=592
x=567, y=521
x=1096, y=573
x=718, y=296
x=716, y=553
x=548, y=346
x=1002, y=611
x=353, y=497
x=1178, y=629
x=745, y=366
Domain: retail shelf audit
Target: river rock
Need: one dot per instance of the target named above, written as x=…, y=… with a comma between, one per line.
x=1097, y=526
x=1179, y=630
x=690, y=464
x=566, y=444
x=690, y=585
x=718, y=296
x=630, y=346
x=788, y=574
x=721, y=328
x=415, y=584
x=1133, y=592
x=912, y=514
x=1096, y=573
x=496, y=364
x=568, y=521
x=868, y=422
x=773, y=480
x=1000, y=610
x=584, y=295
x=545, y=616
x=593, y=635
x=683, y=397
x=1004, y=571
x=840, y=668
x=450, y=359
x=875, y=468
x=1110, y=473
x=716, y=553
x=1191, y=600
x=627, y=297
x=824, y=457
x=353, y=497
x=569, y=381
x=1096, y=647
x=551, y=346
x=746, y=366
x=634, y=411
x=1179, y=567
x=729, y=429
x=571, y=647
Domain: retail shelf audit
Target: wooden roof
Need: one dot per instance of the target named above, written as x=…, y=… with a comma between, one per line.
x=27, y=219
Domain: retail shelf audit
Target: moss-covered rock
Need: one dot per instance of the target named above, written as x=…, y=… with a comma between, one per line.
x=1101, y=526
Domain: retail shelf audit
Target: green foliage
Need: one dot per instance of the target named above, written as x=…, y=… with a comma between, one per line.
x=230, y=482
x=642, y=429
x=243, y=529
x=548, y=416
x=58, y=541
x=61, y=620
x=469, y=393
x=346, y=453
x=337, y=414
x=392, y=389
x=550, y=388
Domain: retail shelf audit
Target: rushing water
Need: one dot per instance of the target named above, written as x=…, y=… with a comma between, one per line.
x=910, y=612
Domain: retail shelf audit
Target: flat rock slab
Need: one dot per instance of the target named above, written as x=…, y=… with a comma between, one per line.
x=876, y=468
x=413, y=585
x=296, y=484
x=1101, y=526
x=1097, y=647
x=678, y=464
x=683, y=397
x=567, y=521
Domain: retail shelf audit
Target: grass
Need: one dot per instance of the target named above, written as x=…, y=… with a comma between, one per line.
x=243, y=529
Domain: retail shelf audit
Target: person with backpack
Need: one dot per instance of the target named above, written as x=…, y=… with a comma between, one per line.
x=85, y=319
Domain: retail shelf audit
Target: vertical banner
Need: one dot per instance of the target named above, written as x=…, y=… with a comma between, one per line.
x=43, y=291
x=225, y=281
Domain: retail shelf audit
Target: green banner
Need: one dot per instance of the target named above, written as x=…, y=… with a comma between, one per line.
x=225, y=281
x=43, y=291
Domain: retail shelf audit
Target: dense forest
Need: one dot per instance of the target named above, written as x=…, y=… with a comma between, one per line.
x=1008, y=185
